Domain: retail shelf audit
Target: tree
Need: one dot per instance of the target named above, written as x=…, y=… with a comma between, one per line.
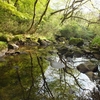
x=41, y=16
x=73, y=7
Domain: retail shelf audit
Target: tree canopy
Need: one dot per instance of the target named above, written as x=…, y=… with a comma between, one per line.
x=37, y=11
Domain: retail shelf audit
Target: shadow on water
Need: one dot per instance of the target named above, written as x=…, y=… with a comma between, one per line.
x=28, y=76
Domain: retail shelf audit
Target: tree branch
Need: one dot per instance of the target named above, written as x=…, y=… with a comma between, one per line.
x=16, y=2
x=34, y=13
x=41, y=17
x=86, y=20
x=44, y=12
x=70, y=10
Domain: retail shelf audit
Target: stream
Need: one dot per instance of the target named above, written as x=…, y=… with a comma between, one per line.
x=22, y=77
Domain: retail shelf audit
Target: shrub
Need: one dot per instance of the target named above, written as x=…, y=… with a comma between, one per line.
x=73, y=29
x=96, y=41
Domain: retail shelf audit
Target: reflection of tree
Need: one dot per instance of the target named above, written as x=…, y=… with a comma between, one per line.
x=32, y=78
x=70, y=73
x=28, y=82
x=60, y=88
x=45, y=85
x=19, y=80
x=95, y=94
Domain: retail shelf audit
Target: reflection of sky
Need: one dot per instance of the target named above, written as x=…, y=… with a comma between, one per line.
x=52, y=74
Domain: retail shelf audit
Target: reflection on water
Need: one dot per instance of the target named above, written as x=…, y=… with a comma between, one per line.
x=22, y=77
x=82, y=77
x=52, y=74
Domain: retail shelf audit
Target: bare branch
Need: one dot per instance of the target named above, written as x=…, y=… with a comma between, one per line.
x=57, y=11
x=70, y=10
x=90, y=22
x=94, y=6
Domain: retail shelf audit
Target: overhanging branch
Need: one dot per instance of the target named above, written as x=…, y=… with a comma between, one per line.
x=90, y=22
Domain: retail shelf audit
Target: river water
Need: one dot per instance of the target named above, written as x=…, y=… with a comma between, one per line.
x=22, y=77
x=84, y=79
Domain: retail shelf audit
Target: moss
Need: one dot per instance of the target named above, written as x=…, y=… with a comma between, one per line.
x=76, y=41
x=3, y=38
x=3, y=45
x=18, y=37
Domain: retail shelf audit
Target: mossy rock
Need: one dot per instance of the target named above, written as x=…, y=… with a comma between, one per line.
x=3, y=45
x=3, y=38
x=18, y=38
x=76, y=41
x=78, y=52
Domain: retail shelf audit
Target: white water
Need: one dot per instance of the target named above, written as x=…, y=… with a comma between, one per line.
x=52, y=74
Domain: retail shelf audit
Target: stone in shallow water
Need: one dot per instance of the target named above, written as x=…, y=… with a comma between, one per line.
x=87, y=66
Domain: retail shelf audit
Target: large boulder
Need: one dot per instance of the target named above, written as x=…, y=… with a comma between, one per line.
x=89, y=69
x=88, y=66
x=43, y=42
x=12, y=46
x=76, y=42
x=3, y=38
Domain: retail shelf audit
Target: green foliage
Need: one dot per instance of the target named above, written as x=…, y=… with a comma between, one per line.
x=74, y=29
x=96, y=41
x=11, y=20
x=49, y=27
x=95, y=28
x=10, y=9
